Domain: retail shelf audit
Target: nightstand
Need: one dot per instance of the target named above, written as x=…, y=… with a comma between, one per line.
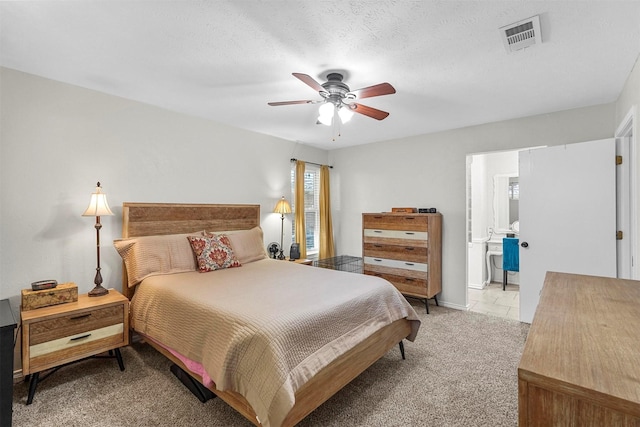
x=57, y=335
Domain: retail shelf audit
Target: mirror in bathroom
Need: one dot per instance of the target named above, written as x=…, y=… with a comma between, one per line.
x=506, y=194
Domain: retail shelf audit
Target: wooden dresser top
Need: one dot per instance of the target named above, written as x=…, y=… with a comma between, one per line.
x=585, y=337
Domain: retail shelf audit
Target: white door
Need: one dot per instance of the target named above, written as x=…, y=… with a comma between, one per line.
x=567, y=215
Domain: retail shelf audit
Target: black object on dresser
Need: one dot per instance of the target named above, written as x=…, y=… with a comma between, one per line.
x=7, y=328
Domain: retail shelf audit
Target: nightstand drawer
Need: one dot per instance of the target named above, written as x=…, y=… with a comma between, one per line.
x=81, y=339
x=74, y=324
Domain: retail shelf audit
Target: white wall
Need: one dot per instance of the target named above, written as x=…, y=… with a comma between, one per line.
x=429, y=171
x=58, y=140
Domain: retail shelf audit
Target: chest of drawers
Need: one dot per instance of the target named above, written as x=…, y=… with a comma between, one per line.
x=405, y=249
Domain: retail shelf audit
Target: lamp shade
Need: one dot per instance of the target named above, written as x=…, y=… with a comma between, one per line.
x=326, y=111
x=282, y=207
x=98, y=205
x=345, y=114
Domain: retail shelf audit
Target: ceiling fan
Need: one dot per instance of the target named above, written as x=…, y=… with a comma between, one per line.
x=337, y=97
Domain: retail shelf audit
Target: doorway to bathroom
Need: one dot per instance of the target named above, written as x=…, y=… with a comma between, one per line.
x=492, y=214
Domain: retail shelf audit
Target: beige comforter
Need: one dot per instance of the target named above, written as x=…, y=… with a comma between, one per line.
x=265, y=328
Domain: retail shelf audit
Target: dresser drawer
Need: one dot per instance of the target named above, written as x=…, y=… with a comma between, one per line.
x=410, y=222
x=74, y=323
x=405, y=285
x=395, y=234
x=393, y=263
x=398, y=252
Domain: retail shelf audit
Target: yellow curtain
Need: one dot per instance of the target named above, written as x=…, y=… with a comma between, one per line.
x=301, y=233
x=327, y=249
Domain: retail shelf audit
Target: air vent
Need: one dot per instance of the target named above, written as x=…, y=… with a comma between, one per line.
x=521, y=34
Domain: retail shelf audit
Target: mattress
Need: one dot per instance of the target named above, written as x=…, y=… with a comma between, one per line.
x=266, y=328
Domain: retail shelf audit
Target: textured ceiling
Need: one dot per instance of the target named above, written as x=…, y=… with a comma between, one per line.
x=224, y=60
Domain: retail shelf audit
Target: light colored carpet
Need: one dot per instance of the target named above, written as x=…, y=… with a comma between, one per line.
x=461, y=371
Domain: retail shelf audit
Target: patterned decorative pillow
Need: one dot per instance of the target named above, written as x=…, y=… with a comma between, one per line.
x=213, y=252
x=247, y=245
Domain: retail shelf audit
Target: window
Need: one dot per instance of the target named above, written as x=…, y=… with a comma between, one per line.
x=311, y=207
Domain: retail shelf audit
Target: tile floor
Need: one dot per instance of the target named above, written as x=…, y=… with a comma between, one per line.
x=496, y=302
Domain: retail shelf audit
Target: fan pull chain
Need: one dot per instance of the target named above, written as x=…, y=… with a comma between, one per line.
x=336, y=127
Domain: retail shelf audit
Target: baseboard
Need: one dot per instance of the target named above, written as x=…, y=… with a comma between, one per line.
x=454, y=306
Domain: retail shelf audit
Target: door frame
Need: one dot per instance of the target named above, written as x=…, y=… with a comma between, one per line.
x=627, y=200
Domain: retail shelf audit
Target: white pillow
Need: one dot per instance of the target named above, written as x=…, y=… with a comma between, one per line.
x=153, y=255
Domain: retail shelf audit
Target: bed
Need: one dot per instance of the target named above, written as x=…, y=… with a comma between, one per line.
x=273, y=339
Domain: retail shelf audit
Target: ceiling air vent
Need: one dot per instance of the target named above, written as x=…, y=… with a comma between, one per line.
x=521, y=34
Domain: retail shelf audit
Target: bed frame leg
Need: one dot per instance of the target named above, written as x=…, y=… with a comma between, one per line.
x=401, y=345
x=201, y=392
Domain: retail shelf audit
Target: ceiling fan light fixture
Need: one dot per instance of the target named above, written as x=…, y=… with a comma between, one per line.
x=335, y=93
x=325, y=120
x=345, y=113
x=327, y=111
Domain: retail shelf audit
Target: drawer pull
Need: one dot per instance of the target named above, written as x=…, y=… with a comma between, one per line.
x=409, y=249
x=377, y=246
x=410, y=217
x=80, y=337
x=82, y=316
x=409, y=263
x=377, y=231
x=409, y=232
x=409, y=279
x=377, y=217
x=379, y=260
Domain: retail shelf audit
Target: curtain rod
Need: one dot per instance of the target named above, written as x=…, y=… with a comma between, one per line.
x=311, y=163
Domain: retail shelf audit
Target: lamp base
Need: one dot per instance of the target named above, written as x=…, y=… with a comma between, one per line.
x=281, y=255
x=98, y=291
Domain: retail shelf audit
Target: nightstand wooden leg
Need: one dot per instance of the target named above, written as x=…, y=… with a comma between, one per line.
x=119, y=357
x=32, y=387
x=401, y=344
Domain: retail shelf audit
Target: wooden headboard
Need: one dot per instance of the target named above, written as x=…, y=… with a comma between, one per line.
x=150, y=219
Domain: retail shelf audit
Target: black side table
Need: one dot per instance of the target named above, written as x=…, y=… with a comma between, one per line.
x=7, y=328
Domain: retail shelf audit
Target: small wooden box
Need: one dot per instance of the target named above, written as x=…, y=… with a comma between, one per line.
x=405, y=210
x=64, y=292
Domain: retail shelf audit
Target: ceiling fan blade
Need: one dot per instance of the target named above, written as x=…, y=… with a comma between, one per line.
x=375, y=90
x=275, y=104
x=369, y=111
x=309, y=81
